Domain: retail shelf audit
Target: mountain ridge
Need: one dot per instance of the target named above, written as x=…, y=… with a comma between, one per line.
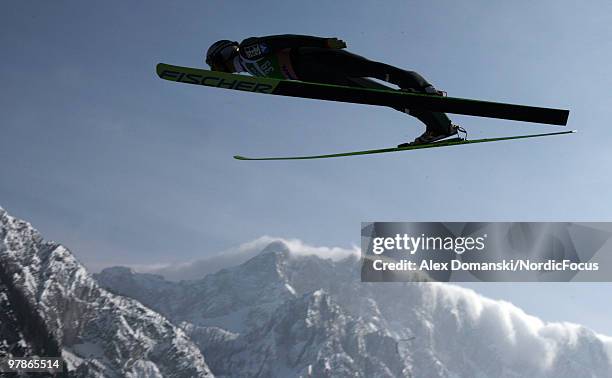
x=279, y=313
x=96, y=333
x=442, y=319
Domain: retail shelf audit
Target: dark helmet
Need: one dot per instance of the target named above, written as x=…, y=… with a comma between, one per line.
x=220, y=52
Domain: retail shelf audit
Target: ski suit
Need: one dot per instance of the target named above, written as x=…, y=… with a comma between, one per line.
x=307, y=58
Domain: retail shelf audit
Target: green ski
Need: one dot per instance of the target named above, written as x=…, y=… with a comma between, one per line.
x=444, y=143
x=381, y=97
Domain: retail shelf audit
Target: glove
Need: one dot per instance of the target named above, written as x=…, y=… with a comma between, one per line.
x=335, y=43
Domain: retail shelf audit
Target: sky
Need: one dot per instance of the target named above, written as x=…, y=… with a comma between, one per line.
x=123, y=168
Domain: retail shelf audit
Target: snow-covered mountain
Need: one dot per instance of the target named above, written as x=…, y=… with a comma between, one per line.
x=282, y=314
x=278, y=314
x=199, y=268
x=51, y=306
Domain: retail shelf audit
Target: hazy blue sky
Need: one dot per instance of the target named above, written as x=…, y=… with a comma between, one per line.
x=123, y=168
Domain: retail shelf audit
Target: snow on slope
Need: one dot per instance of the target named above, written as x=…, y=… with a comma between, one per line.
x=55, y=308
x=12, y=342
x=256, y=317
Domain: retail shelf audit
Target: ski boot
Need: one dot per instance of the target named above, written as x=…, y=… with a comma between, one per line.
x=430, y=136
x=431, y=90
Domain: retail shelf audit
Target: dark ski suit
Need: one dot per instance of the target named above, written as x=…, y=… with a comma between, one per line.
x=306, y=58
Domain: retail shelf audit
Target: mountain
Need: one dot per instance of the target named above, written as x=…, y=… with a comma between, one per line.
x=51, y=306
x=235, y=256
x=282, y=314
x=277, y=314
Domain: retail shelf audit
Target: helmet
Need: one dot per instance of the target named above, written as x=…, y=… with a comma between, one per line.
x=221, y=52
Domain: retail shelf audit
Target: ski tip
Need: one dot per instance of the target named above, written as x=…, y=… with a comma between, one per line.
x=238, y=157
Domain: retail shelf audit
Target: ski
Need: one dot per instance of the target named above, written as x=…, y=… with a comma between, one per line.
x=381, y=97
x=444, y=143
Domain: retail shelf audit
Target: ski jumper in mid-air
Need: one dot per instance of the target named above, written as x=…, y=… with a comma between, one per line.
x=323, y=60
